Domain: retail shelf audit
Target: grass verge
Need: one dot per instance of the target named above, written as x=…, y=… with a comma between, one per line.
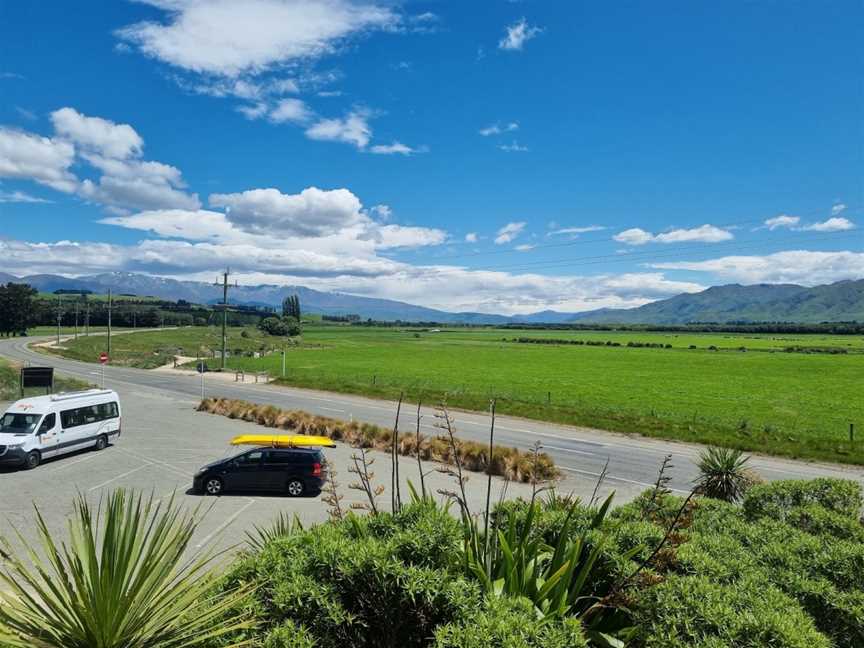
x=9, y=389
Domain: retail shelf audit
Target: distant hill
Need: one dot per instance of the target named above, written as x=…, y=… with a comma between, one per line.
x=841, y=301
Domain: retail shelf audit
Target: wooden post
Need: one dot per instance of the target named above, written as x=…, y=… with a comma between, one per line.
x=851, y=433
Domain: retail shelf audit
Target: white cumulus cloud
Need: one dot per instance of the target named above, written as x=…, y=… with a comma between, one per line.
x=804, y=267
x=701, y=234
x=229, y=38
x=834, y=224
x=44, y=160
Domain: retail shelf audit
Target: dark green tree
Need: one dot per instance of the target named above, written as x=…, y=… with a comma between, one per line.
x=291, y=307
x=17, y=311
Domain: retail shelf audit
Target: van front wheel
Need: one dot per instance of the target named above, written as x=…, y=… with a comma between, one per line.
x=32, y=461
x=101, y=443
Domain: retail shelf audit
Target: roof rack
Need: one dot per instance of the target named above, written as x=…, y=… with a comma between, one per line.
x=78, y=394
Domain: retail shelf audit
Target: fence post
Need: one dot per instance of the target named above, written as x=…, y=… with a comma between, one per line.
x=549, y=398
x=851, y=433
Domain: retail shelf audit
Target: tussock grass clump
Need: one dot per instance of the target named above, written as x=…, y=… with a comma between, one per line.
x=508, y=462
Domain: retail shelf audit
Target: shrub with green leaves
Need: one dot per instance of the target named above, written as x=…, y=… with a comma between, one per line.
x=778, y=498
x=693, y=611
x=510, y=623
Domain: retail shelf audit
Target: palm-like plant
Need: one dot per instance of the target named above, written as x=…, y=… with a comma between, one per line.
x=723, y=474
x=121, y=581
x=557, y=577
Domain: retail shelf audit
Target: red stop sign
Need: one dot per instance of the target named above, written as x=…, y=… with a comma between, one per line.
x=103, y=358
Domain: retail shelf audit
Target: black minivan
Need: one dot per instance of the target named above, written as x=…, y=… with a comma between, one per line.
x=293, y=471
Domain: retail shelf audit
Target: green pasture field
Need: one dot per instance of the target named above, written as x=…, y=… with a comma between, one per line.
x=157, y=347
x=761, y=399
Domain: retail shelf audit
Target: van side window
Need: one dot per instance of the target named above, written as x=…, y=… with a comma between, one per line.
x=89, y=414
x=48, y=423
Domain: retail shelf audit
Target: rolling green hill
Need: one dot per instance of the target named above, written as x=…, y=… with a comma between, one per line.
x=838, y=302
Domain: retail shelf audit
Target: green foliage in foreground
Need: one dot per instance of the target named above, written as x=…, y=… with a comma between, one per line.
x=785, y=570
x=789, y=575
x=122, y=581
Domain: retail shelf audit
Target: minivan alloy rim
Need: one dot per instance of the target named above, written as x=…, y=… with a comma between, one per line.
x=295, y=488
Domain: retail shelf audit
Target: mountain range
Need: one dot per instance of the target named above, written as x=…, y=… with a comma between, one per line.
x=840, y=301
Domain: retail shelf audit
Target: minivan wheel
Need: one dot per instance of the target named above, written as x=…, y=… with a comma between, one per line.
x=33, y=459
x=295, y=488
x=101, y=443
x=213, y=486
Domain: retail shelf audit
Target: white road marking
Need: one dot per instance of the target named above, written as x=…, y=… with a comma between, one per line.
x=332, y=409
x=222, y=526
x=113, y=479
x=581, y=452
x=621, y=479
x=67, y=464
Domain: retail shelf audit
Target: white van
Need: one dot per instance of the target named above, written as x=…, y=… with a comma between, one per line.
x=33, y=429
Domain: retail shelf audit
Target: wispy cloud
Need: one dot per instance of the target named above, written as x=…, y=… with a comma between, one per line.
x=509, y=232
x=19, y=197
x=497, y=129
x=471, y=237
x=397, y=148
x=517, y=35
x=835, y=224
x=513, y=147
x=575, y=231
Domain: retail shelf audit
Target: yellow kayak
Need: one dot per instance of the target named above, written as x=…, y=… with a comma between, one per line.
x=283, y=440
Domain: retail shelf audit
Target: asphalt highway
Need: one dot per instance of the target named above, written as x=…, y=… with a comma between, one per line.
x=633, y=461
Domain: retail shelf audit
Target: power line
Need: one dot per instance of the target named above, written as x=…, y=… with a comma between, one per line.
x=622, y=258
x=608, y=239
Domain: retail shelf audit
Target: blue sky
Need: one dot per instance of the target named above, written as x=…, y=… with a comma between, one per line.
x=498, y=156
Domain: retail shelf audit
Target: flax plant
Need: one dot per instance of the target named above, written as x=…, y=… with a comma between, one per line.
x=122, y=580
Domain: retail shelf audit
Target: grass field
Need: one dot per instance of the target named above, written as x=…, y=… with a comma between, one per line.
x=762, y=399
x=150, y=349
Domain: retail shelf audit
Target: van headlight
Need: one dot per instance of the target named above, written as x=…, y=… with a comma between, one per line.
x=15, y=445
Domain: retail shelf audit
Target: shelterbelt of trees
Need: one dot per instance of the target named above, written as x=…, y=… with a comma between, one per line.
x=23, y=307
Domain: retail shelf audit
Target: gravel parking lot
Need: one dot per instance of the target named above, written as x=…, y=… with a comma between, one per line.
x=164, y=442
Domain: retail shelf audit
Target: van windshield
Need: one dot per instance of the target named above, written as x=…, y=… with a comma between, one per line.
x=19, y=423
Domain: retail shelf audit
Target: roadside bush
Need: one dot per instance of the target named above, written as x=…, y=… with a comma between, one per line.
x=778, y=499
x=344, y=584
x=509, y=462
x=693, y=611
x=510, y=623
x=280, y=326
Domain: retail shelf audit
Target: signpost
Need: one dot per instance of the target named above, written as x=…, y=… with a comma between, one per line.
x=202, y=369
x=37, y=377
x=103, y=360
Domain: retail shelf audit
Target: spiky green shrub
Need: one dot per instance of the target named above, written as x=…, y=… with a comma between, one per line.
x=122, y=580
x=723, y=474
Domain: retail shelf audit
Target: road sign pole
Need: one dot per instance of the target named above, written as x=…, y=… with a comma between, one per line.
x=202, y=385
x=102, y=378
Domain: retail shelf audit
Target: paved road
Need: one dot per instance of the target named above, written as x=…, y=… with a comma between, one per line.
x=581, y=452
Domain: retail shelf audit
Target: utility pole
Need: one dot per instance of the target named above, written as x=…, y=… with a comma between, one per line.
x=59, y=316
x=77, y=302
x=224, y=284
x=87, y=320
x=109, y=322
